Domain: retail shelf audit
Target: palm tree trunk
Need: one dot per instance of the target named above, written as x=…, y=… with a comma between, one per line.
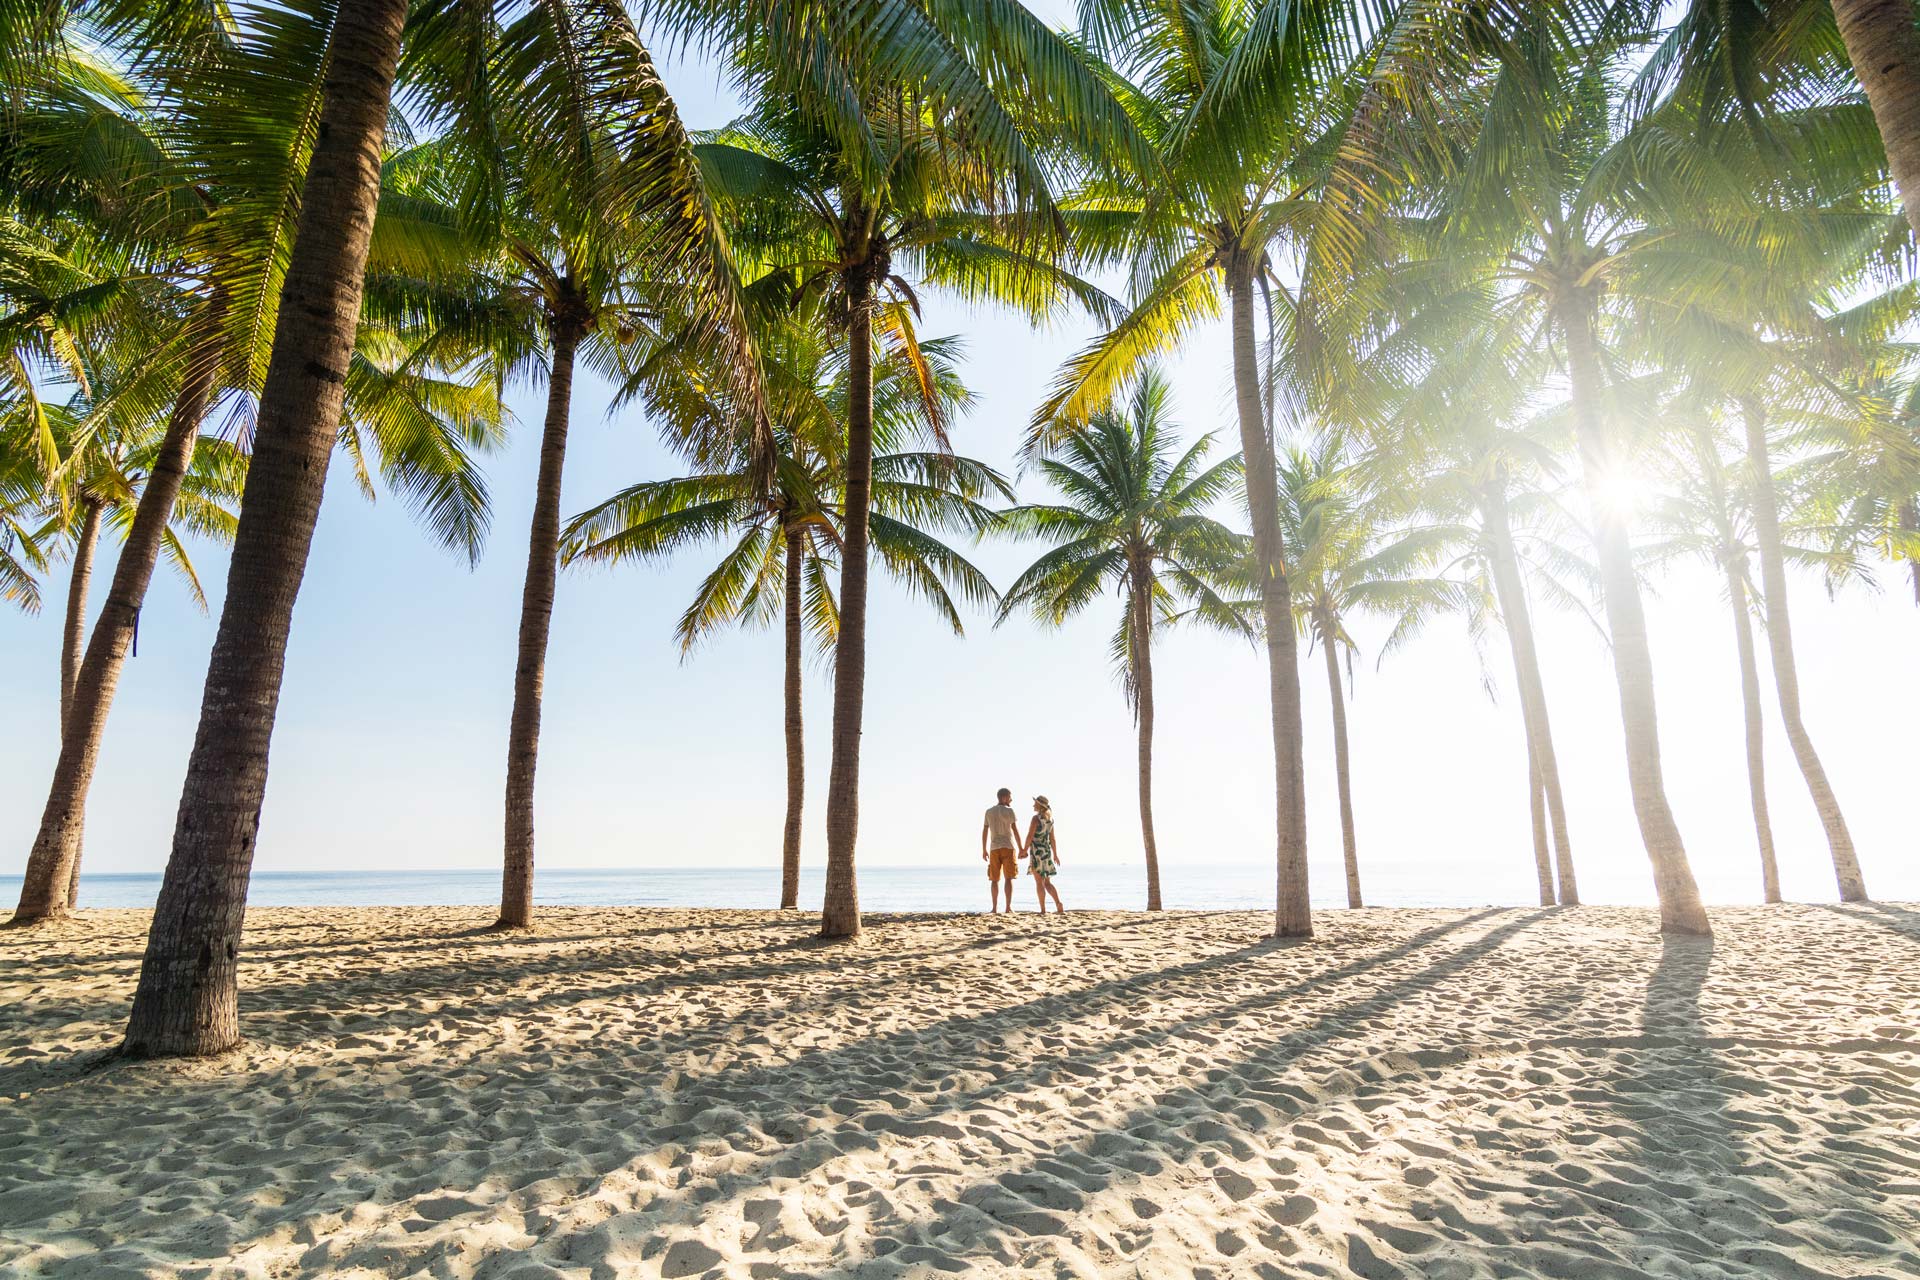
x=536, y=622
x=73, y=636
x=187, y=998
x=1756, y=733
x=1681, y=910
x=74, y=633
x=1537, y=813
x=1510, y=593
x=1342, y=768
x=840, y=912
x=1786, y=678
x=1909, y=525
x=1292, y=914
x=53, y=865
x=1884, y=48
x=796, y=730
x=1140, y=650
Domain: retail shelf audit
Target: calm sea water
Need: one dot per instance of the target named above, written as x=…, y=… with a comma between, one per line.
x=944, y=888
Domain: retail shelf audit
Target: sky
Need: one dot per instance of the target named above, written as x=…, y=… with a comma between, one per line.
x=391, y=740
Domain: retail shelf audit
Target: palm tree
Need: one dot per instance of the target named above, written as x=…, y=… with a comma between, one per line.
x=1704, y=518
x=786, y=541
x=108, y=480
x=831, y=201
x=575, y=255
x=1861, y=483
x=1133, y=520
x=1459, y=458
x=150, y=347
x=1884, y=47
x=186, y=1000
x=185, y=1004
x=1765, y=334
x=1550, y=209
x=1246, y=104
x=1341, y=562
x=1779, y=631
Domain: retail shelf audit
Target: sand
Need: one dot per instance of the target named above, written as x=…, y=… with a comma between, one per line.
x=683, y=1093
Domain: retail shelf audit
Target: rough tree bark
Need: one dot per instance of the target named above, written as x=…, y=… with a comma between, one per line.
x=74, y=633
x=1510, y=593
x=53, y=864
x=796, y=729
x=840, y=912
x=187, y=998
x=1341, y=764
x=1681, y=910
x=1786, y=677
x=1140, y=624
x=1884, y=48
x=566, y=326
x=1292, y=914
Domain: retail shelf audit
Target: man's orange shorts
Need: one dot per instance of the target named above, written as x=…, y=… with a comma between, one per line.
x=1003, y=864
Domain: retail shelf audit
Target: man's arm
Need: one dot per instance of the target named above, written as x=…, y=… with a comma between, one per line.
x=984, y=826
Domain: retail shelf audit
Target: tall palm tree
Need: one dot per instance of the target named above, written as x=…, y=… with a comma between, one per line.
x=576, y=254
x=187, y=998
x=1883, y=44
x=1767, y=334
x=1133, y=520
x=1246, y=103
x=1343, y=562
x=831, y=202
x=786, y=541
x=1779, y=632
x=1462, y=459
x=186, y=1003
x=1705, y=518
x=1552, y=209
x=150, y=347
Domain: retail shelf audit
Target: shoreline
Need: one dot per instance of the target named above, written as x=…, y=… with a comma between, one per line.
x=681, y=1092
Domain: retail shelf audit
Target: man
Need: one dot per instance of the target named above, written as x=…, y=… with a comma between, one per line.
x=1000, y=848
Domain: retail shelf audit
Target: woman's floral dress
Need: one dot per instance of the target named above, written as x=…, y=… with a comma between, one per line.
x=1043, y=863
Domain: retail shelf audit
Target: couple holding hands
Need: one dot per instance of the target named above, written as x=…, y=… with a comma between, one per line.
x=1001, y=848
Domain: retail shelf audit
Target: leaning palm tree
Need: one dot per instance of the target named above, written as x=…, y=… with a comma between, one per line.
x=1703, y=517
x=186, y=999
x=1133, y=520
x=1758, y=65
x=113, y=293
x=784, y=542
x=1462, y=461
x=1551, y=211
x=1342, y=562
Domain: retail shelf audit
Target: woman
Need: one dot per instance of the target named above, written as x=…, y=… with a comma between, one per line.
x=1044, y=848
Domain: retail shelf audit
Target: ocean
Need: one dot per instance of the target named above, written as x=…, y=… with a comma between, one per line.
x=1231, y=886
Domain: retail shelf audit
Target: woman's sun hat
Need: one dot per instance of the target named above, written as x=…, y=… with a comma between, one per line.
x=1042, y=801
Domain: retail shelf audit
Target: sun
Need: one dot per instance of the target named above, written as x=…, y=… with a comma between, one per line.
x=1619, y=492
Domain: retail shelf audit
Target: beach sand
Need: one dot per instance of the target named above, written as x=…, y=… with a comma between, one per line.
x=680, y=1093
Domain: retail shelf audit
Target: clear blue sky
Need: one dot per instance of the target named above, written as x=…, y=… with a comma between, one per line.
x=391, y=740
